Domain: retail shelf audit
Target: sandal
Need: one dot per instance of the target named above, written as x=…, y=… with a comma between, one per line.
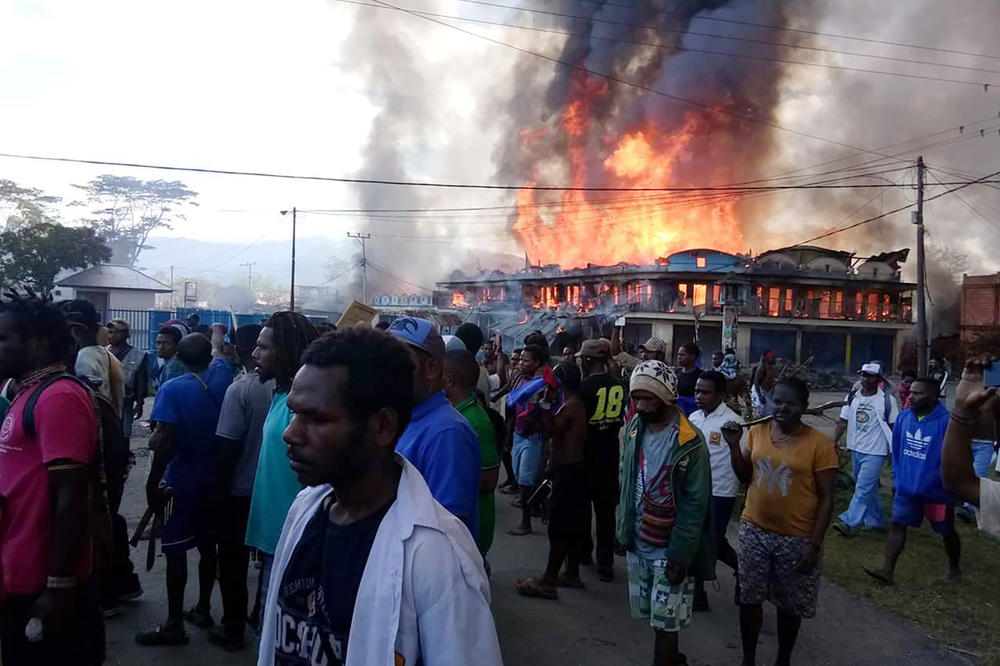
x=530, y=587
x=199, y=618
x=161, y=635
x=562, y=580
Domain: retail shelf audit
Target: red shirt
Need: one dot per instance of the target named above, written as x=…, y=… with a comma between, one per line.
x=66, y=428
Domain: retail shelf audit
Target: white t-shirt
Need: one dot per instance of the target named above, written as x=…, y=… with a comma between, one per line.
x=724, y=482
x=867, y=430
x=989, y=506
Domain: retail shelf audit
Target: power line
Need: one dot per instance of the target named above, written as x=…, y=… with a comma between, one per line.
x=399, y=279
x=802, y=31
x=406, y=183
x=896, y=210
x=691, y=49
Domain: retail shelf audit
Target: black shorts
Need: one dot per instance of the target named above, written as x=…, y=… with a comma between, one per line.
x=569, y=504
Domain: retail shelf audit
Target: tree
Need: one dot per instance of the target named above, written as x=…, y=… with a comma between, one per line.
x=127, y=210
x=20, y=206
x=32, y=254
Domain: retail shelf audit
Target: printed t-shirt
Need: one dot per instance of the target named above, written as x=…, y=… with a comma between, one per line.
x=94, y=362
x=275, y=486
x=483, y=427
x=605, y=400
x=319, y=588
x=244, y=411
x=782, y=497
x=724, y=482
x=867, y=431
x=988, y=514
x=192, y=403
x=443, y=446
x=65, y=428
x=916, y=455
x=653, y=453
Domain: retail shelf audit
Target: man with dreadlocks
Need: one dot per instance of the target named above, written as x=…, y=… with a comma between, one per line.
x=280, y=345
x=45, y=534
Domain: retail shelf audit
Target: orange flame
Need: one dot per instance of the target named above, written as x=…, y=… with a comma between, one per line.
x=458, y=299
x=633, y=227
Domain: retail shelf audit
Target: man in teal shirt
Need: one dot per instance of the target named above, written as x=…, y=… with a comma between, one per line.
x=282, y=341
x=461, y=372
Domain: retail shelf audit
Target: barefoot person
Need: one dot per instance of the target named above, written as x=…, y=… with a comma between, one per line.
x=916, y=475
x=789, y=469
x=664, y=522
x=569, y=515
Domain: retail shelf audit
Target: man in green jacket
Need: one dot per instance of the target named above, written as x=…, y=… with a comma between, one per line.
x=664, y=520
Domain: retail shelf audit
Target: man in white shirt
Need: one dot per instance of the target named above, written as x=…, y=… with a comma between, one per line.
x=867, y=418
x=712, y=414
x=370, y=569
x=975, y=415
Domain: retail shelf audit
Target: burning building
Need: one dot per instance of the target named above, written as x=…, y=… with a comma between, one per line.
x=802, y=302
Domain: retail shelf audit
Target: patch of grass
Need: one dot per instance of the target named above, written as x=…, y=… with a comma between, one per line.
x=964, y=615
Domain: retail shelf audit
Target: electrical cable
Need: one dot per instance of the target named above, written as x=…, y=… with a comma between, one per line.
x=802, y=31
x=691, y=49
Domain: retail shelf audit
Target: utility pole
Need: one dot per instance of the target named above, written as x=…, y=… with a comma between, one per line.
x=171, y=287
x=364, y=264
x=918, y=219
x=249, y=265
x=291, y=300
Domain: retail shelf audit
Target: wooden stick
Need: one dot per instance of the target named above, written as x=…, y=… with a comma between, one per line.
x=812, y=411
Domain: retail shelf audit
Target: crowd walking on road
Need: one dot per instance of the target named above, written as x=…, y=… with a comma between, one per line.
x=361, y=469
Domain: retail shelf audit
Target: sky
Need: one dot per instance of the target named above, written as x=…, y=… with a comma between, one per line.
x=298, y=88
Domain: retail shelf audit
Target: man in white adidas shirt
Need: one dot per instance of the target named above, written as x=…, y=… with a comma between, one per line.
x=712, y=414
x=867, y=418
x=976, y=413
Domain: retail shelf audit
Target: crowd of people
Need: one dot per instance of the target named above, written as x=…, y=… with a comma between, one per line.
x=360, y=468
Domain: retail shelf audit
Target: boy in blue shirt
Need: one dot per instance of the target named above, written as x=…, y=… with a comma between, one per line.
x=917, y=438
x=185, y=458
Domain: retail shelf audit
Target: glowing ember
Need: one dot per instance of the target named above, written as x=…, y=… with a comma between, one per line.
x=633, y=227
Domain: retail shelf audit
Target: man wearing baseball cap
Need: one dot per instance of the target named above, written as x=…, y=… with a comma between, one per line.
x=867, y=418
x=438, y=440
x=665, y=522
x=605, y=401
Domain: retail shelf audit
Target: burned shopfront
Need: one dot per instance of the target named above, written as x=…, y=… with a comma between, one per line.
x=802, y=302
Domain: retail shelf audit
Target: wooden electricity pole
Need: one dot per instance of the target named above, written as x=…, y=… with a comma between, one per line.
x=918, y=219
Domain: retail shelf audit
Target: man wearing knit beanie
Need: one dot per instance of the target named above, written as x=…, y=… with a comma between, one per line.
x=664, y=522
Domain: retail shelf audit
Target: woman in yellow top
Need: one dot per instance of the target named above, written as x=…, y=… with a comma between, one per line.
x=790, y=470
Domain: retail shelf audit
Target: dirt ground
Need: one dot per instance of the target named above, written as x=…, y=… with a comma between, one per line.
x=588, y=627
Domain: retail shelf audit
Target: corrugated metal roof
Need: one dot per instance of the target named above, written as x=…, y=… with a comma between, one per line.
x=110, y=276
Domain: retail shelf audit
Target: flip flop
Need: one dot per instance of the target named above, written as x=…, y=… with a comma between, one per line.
x=563, y=581
x=529, y=587
x=878, y=575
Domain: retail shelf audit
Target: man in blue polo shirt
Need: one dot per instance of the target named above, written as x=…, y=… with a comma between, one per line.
x=439, y=441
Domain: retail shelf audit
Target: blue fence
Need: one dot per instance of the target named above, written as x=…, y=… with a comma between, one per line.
x=145, y=323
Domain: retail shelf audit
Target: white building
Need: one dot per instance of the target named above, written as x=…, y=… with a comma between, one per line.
x=111, y=287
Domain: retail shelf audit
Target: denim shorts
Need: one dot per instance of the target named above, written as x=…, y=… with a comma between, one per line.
x=526, y=456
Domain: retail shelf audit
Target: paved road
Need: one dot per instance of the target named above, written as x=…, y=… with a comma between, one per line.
x=583, y=628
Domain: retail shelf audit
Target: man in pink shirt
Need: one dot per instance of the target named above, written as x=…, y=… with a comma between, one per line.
x=45, y=471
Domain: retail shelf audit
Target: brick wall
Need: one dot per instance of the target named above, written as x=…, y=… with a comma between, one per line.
x=980, y=304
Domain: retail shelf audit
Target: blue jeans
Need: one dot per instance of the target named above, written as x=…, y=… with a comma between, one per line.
x=982, y=456
x=527, y=456
x=865, y=510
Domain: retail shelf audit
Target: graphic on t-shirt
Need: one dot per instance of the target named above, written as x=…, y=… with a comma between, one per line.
x=779, y=477
x=715, y=439
x=305, y=639
x=864, y=418
x=6, y=431
x=609, y=403
x=916, y=445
